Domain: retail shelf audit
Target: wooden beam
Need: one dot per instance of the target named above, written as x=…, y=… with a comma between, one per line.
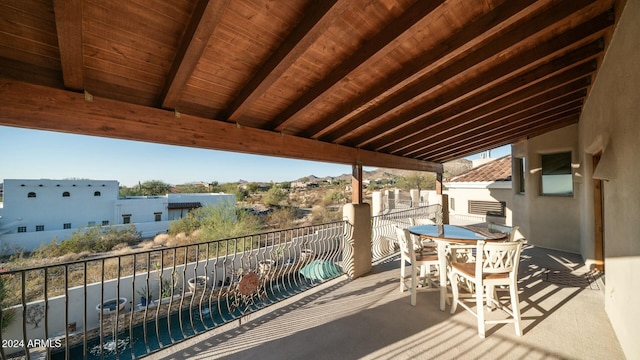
x=459, y=68
x=204, y=20
x=477, y=32
x=370, y=51
x=356, y=184
x=490, y=126
x=505, y=139
x=532, y=107
x=320, y=17
x=39, y=107
x=69, y=30
x=506, y=129
x=459, y=121
x=506, y=71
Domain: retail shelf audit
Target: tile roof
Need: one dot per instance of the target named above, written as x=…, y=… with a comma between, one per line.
x=497, y=170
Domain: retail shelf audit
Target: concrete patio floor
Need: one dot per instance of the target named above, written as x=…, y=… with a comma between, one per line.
x=368, y=318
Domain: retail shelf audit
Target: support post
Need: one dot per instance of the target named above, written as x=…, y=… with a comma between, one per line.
x=356, y=184
x=357, y=254
x=444, y=199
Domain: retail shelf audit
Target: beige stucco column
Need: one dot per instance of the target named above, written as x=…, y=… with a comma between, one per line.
x=356, y=253
x=376, y=203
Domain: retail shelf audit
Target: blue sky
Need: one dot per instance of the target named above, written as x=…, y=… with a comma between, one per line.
x=34, y=154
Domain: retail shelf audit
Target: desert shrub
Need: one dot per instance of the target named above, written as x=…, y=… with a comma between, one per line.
x=282, y=218
x=92, y=239
x=212, y=223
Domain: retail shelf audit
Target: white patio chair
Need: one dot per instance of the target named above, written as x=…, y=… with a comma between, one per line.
x=419, y=262
x=416, y=239
x=496, y=265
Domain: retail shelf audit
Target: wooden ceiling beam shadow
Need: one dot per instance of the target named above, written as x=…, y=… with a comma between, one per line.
x=517, y=130
x=479, y=31
x=205, y=18
x=314, y=24
x=504, y=126
x=509, y=69
x=38, y=107
x=68, y=14
x=515, y=138
x=460, y=68
x=370, y=51
x=395, y=130
x=557, y=85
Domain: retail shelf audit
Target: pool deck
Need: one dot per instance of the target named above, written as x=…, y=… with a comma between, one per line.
x=368, y=318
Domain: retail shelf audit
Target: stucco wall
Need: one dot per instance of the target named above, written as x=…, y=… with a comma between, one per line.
x=549, y=221
x=611, y=123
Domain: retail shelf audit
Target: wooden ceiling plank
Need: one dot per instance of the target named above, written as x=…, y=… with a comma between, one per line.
x=68, y=15
x=39, y=107
x=319, y=18
x=537, y=92
x=516, y=131
x=370, y=51
x=486, y=26
x=505, y=40
x=204, y=20
x=503, y=72
x=510, y=124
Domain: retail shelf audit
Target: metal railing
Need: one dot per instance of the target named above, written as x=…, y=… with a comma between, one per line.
x=383, y=235
x=130, y=305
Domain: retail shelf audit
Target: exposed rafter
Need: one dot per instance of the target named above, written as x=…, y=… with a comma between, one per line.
x=69, y=30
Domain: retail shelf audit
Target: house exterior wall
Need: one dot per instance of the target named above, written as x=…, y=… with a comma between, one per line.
x=50, y=209
x=460, y=194
x=549, y=221
x=610, y=124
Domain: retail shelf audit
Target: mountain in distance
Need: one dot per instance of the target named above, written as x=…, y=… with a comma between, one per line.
x=451, y=168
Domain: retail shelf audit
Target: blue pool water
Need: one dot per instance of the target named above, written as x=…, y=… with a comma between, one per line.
x=200, y=318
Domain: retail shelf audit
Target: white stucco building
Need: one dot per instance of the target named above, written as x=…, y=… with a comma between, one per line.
x=37, y=211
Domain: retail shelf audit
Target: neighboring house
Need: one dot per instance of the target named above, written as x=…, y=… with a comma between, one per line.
x=482, y=194
x=37, y=211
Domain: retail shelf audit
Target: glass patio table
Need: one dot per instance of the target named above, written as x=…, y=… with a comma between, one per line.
x=444, y=235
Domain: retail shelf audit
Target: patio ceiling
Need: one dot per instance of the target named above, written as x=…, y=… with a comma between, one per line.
x=389, y=83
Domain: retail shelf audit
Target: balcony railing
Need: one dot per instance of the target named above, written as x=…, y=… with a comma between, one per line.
x=384, y=236
x=129, y=305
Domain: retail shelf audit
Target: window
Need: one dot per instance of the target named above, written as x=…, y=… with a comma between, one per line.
x=66, y=226
x=126, y=219
x=453, y=203
x=31, y=194
x=22, y=229
x=39, y=227
x=522, y=173
x=556, y=174
x=105, y=222
x=97, y=193
x=66, y=194
x=158, y=216
x=489, y=208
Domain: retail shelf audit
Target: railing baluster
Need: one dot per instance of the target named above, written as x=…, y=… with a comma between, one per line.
x=159, y=273
x=115, y=326
x=146, y=306
x=24, y=316
x=46, y=308
x=101, y=309
x=133, y=305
